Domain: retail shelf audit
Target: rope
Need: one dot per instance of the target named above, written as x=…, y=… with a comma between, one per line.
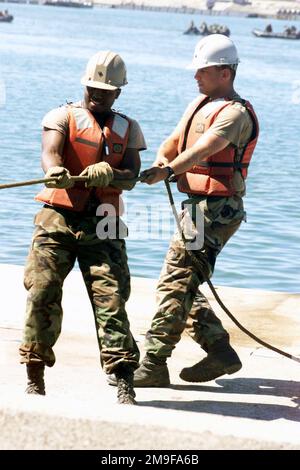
x=194, y=260
x=38, y=181
x=47, y=180
x=199, y=266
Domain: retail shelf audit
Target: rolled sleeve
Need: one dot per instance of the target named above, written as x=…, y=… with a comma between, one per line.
x=57, y=120
x=136, y=138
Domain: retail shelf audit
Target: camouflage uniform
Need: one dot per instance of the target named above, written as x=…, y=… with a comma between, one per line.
x=180, y=303
x=61, y=237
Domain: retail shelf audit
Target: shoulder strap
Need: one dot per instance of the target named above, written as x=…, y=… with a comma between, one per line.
x=188, y=126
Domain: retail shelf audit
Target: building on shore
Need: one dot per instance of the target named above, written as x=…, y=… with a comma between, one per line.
x=282, y=9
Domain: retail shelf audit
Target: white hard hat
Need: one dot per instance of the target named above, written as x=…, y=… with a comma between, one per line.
x=215, y=49
x=105, y=70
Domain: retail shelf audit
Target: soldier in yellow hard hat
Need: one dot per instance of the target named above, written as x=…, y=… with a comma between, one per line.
x=90, y=139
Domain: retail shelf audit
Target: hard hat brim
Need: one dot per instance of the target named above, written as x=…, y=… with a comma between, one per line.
x=100, y=85
x=199, y=66
x=194, y=66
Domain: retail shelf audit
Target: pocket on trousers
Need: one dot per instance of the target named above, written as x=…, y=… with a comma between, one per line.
x=225, y=210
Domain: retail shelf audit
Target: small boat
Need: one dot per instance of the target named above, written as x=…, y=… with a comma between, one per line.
x=205, y=30
x=264, y=34
x=68, y=3
x=6, y=18
x=192, y=31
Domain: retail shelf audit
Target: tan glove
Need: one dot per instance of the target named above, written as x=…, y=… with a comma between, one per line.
x=100, y=174
x=63, y=181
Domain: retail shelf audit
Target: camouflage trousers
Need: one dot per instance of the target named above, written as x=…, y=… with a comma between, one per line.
x=180, y=302
x=59, y=239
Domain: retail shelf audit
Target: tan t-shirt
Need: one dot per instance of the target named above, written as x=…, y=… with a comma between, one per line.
x=57, y=119
x=233, y=123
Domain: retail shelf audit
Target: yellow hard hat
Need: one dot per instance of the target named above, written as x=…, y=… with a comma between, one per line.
x=105, y=70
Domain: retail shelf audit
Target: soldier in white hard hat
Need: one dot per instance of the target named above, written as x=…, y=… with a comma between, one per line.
x=209, y=153
x=86, y=138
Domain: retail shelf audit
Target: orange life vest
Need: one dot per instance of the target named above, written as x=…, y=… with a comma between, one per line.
x=86, y=144
x=214, y=176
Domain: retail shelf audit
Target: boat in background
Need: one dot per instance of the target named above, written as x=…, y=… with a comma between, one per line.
x=68, y=3
x=285, y=35
x=5, y=17
x=205, y=30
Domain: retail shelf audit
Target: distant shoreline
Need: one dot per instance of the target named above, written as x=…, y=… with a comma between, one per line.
x=273, y=9
x=276, y=9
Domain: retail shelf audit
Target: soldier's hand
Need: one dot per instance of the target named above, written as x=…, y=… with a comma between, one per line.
x=63, y=180
x=100, y=175
x=154, y=175
x=160, y=161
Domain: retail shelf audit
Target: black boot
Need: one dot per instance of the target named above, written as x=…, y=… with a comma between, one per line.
x=150, y=373
x=221, y=359
x=124, y=382
x=35, y=375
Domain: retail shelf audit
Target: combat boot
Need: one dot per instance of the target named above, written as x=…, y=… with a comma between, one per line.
x=124, y=382
x=149, y=374
x=35, y=375
x=221, y=359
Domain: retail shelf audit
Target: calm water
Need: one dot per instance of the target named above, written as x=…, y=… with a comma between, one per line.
x=43, y=55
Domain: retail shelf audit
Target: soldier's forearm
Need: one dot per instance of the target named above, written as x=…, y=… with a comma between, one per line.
x=125, y=185
x=51, y=159
x=124, y=179
x=167, y=150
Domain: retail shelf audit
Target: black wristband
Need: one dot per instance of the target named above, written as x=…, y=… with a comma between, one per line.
x=170, y=170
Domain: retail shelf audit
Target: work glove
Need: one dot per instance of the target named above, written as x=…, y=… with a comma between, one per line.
x=100, y=175
x=63, y=178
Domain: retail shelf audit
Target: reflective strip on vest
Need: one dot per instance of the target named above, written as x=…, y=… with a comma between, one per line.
x=120, y=125
x=82, y=118
x=86, y=142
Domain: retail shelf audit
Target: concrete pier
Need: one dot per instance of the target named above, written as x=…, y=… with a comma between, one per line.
x=256, y=408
